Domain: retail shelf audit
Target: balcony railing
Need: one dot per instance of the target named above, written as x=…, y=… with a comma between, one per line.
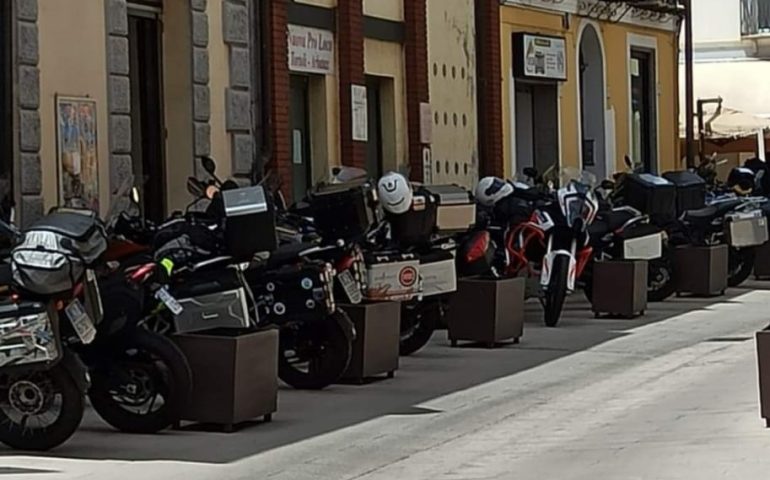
x=755, y=17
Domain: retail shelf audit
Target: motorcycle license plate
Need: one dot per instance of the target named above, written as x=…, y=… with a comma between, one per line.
x=84, y=326
x=169, y=301
x=350, y=286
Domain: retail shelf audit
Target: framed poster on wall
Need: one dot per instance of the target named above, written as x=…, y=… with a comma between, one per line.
x=77, y=152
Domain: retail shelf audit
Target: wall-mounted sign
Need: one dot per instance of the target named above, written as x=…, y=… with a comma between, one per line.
x=311, y=50
x=360, y=113
x=539, y=57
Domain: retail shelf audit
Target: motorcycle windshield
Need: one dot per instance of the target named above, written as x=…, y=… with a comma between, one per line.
x=121, y=201
x=578, y=176
x=347, y=174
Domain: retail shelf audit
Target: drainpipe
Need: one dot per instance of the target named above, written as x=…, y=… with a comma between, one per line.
x=689, y=86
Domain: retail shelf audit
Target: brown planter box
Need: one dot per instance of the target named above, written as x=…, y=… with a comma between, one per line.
x=487, y=311
x=701, y=271
x=763, y=367
x=762, y=261
x=620, y=287
x=235, y=378
x=378, y=333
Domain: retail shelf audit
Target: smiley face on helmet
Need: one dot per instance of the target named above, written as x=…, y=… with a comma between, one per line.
x=395, y=193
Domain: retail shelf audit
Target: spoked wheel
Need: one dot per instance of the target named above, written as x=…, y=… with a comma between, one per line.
x=418, y=322
x=556, y=293
x=143, y=387
x=740, y=265
x=314, y=355
x=39, y=410
x=660, y=279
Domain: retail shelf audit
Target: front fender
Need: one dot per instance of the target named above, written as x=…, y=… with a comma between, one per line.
x=76, y=369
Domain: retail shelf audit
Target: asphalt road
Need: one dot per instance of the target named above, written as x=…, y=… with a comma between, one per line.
x=672, y=395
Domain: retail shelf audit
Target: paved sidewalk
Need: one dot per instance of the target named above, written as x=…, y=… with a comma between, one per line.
x=669, y=396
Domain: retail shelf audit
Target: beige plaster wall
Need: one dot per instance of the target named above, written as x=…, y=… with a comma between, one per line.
x=386, y=59
x=72, y=63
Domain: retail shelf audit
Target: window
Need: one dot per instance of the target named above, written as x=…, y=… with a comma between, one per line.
x=755, y=17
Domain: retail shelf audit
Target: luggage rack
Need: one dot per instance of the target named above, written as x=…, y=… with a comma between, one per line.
x=615, y=10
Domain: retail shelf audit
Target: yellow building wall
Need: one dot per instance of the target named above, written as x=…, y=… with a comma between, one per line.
x=614, y=38
x=388, y=9
x=386, y=59
x=219, y=80
x=319, y=3
x=72, y=63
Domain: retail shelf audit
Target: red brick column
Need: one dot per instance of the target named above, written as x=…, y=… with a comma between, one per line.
x=280, y=154
x=490, y=98
x=417, y=88
x=350, y=41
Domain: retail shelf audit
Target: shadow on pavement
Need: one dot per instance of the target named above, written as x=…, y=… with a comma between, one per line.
x=436, y=371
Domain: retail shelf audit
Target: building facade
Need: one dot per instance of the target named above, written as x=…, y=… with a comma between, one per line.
x=586, y=83
x=732, y=53
x=98, y=90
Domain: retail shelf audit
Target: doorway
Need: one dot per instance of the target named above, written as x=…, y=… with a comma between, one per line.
x=374, y=124
x=299, y=131
x=537, y=126
x=592, y=120
x=644, y=142
x=147, y=125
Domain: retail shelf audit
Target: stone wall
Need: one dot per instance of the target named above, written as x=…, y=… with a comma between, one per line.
x=29, y=174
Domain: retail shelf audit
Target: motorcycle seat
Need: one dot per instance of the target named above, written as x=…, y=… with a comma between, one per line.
x=609, y=221
x=712, y=211
x=288, y=252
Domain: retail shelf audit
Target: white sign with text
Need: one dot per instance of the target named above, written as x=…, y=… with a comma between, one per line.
x=311, y=50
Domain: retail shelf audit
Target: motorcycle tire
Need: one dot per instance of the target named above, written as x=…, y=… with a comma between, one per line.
x=741, y=264
x=325, y=348
x=660, y=279
x=418, y=322
x=587, y=280
x=557, y=291
x=147, y=365
x=59, y=383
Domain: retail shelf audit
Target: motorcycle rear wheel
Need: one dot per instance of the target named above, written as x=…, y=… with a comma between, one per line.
x=312, y=356
x=556, y=292
x=418, y=322
x=741, y=264
x=660, y=279
x=26, y=403
x=147, y=371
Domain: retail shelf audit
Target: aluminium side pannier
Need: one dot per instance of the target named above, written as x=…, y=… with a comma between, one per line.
x=55, y=251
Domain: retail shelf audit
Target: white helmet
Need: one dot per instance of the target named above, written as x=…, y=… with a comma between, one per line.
x=491, y=190
x=395, y=193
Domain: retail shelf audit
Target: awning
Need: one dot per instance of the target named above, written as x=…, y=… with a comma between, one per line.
x=728, y=123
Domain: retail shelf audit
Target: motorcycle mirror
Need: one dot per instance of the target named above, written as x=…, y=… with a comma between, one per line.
x=135, y=195
x=530, y=172
x=209, y=165
x=194, y=187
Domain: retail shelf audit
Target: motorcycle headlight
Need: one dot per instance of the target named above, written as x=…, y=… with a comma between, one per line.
x=577, y=209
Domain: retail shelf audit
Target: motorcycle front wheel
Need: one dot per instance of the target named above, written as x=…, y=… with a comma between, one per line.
x=556, y=293
x=39, y=410
x=418, y=322
x=142, y=388
x=660, y=279
x=313, y=355
x=740, y=263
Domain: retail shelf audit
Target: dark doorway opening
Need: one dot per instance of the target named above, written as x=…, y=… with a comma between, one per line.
x=643, y=110
x=592, y=127
x=299, y=131
x=147, y=125
x=374, y=154
x=6, y=110
x=537, y=126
